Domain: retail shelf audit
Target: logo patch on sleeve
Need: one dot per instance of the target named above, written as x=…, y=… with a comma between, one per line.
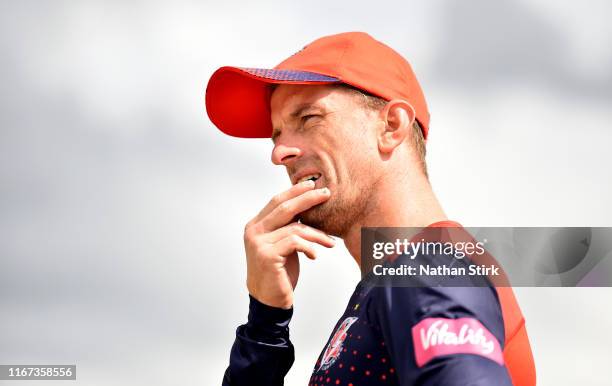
x=434, y=337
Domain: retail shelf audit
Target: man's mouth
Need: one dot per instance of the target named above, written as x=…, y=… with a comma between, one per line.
x=312, y=177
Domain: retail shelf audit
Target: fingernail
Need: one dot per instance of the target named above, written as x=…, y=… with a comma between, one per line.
x=325, y=191
x=309, y=183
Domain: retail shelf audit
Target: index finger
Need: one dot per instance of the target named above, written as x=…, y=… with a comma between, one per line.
x=285, y=213
x=288, y=194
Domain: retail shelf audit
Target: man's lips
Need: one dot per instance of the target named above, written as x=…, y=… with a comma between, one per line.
x=312, y=177
x=305, y=175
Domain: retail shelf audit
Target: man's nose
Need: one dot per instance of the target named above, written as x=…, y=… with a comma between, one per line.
x=283, y=154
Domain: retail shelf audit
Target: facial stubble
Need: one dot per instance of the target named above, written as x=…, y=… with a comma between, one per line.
x=336, y=216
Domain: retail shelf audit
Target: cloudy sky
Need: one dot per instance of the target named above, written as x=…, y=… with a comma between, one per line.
x=122, y=207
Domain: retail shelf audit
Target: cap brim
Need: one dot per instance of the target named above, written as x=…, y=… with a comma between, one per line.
x=238, y=99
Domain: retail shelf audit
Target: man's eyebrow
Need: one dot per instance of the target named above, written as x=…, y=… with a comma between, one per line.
x=299, y=110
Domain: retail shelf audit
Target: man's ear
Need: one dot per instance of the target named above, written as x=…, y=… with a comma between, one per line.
x=398, y=117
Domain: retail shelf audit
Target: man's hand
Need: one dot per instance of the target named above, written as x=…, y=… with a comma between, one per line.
x=272, y=241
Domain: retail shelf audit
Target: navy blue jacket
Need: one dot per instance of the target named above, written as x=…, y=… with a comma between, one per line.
x=387, y=335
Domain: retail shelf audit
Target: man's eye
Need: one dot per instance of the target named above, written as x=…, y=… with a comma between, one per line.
x=307, y=117
x=310, y=117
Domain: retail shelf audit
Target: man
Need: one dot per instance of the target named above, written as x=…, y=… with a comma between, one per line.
x=349, y=122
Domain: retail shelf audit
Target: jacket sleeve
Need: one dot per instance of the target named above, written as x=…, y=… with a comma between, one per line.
x=443, y=336
x=262, y=353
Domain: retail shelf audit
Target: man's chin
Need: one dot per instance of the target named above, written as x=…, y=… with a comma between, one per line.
x=321, y=218
x=315, y=217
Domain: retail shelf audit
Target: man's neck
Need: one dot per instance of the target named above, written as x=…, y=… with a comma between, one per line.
x=405, y=204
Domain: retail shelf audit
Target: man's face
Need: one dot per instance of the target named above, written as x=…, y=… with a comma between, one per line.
x=327, y=133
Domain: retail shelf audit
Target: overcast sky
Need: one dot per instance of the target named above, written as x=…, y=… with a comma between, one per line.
x=122, y=207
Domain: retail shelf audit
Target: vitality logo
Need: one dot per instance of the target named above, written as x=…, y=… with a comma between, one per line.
x=435, y=337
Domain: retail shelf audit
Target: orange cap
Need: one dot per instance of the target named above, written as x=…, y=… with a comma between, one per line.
x=238, y=99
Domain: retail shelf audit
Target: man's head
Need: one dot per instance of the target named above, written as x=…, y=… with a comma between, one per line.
x=366, y=122
x=348, y=141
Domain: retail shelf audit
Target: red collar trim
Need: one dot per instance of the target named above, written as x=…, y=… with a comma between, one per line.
x=445, y=224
